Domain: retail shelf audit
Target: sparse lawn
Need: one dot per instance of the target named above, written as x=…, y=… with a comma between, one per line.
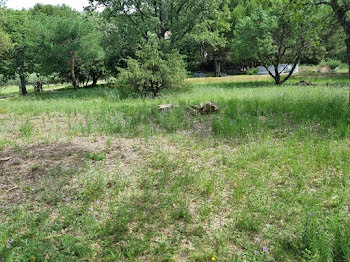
x=14, y=90
x=89, y=176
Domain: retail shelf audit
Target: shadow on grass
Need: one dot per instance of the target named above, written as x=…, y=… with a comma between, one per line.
x=326, y=79
x=249, y=84
x=100, y=91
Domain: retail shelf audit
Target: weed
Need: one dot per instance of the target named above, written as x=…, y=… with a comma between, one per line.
x=95, y=156
x=26, y=129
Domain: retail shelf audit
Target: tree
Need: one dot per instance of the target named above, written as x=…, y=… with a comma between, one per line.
x=210, y=40
x=210, y=37
x=341, y=12
x=18, y=59
x=4, y=38
x=172, y=19
x=280, y=34
x=71, y=40
x=153, y=70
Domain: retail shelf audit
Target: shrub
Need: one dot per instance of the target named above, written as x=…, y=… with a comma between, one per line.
x=252, y=71
x=332, y=64
x=152, y=71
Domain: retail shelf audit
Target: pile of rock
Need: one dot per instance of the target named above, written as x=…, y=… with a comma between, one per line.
x=202, y=109
x=305, y=83
x=167, y=107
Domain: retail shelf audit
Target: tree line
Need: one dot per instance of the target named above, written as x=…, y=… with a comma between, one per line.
x=150, y=45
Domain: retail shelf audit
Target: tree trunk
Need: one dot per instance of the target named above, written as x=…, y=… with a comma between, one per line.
x=291, y=72
x=277, y=75
x=217, y=68
x=39, y=85
x=74, y=80
x=270, y=73
x=94, y=80
x=23, y=86
x=347, y=42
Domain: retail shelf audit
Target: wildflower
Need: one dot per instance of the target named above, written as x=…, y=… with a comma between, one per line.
x=9, y=243
x=310, y=214
x=213, y=258
x=265, y=249
x=91, y=209
x=256, y=252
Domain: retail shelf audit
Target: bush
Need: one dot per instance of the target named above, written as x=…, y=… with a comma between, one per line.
x=152, y=71
x=252, y=71
x=332, y=64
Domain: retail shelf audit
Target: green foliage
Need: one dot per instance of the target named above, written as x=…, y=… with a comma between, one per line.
x=252, y=71
x=153, y=71
x=67, y=37
x=4, y=42
x=26, y=129
x=332, y=64
x=19, y=58
x=325, y=238
x=259, y=27
x=161, y=17
x=275, y=36
x=95, y=156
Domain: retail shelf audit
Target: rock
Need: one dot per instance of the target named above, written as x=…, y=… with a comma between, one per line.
x=162, y=108
x=203, y=109
x=208, y=108
x=305, y=83
x=192, y=110
x=195, y=107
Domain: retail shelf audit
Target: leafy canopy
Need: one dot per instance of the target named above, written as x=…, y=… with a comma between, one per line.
x=279, y=34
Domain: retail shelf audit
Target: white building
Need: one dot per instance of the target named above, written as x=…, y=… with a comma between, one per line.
x=284, y=69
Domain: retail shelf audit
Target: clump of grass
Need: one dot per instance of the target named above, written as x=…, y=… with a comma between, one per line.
x=26, y=129
x=95, y=156
x=93, y=187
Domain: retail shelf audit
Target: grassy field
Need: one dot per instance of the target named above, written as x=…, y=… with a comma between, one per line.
x=90, y=176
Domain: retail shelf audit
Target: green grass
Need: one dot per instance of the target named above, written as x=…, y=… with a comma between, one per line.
x=93, y=176
x=14, y=90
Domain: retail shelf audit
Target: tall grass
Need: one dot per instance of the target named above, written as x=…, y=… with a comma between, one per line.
x=266, y=178
x=248, y=108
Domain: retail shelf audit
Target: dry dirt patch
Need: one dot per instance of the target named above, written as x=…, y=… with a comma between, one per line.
x=26, y=168
x=38, y=167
